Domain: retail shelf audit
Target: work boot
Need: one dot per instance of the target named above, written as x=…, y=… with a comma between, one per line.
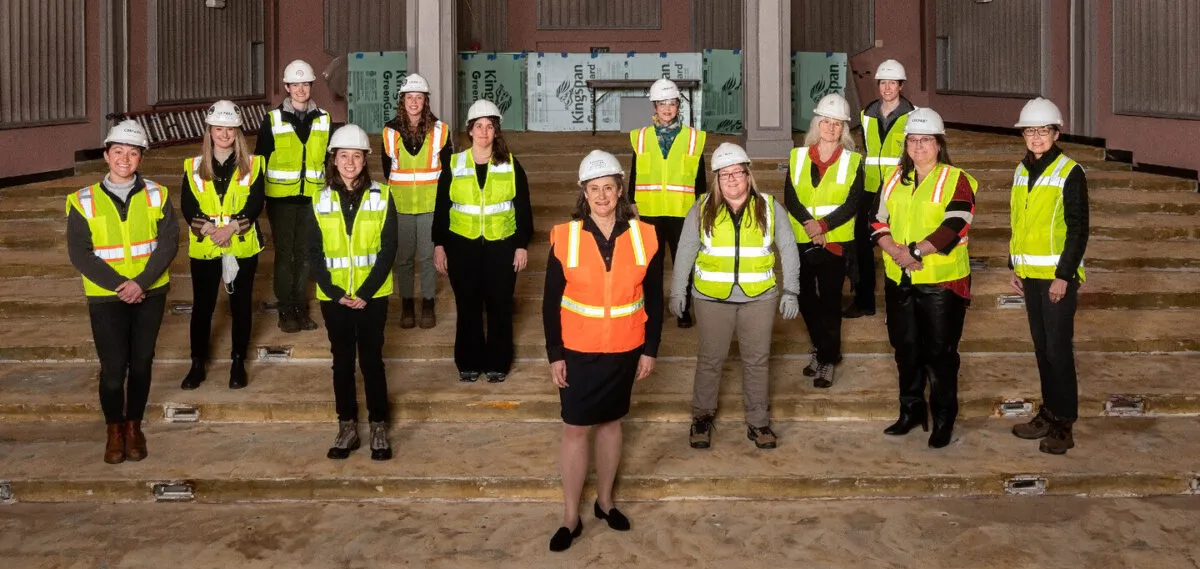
x=302, y=318
x=346, y=441
x=114, y=448
x=195, y=376
x=1059, y=439
x=1037, y=427
x=763, y=437
x=287, y=318
x=701, y=432
x=380, y=448
x=135, y=441
x=428, y=318
x=237, y=372
x=408, y=315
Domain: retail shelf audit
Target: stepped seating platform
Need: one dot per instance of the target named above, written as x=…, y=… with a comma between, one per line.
x=1138, y=356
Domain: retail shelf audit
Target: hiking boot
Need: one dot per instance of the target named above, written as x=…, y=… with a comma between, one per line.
x=114, y=447
x=381, y=449
x=1037, y=427
x=287, y=318
x=763, y=437
x=701, y=432
x=428, y=318
x=408, y=314
x=810, y=370
x=302, y=318
x=346, y=441
x=1059, y=439
x=824, y=379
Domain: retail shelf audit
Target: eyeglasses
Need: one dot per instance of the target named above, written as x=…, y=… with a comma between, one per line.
x=671, y=103
x=920, y=140
x=1042, y=132
x=731, y=176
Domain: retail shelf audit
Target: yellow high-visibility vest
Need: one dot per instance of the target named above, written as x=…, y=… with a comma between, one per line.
x=883, y=156
x=126, y=244
x=666, y=187
x=292, y=160
x=737, y=255
x=913, y=214
x=414, y=178
x=486, y=212
x=825, y=197
x=350, y=258
x=242, y=246
x=1039, y=227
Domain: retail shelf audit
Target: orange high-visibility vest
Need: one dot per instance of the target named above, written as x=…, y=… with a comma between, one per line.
x=603, y=311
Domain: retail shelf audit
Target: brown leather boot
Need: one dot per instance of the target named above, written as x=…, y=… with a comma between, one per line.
x=135, y=441
x=114, y=449
x=428, y=318
x=408, y=314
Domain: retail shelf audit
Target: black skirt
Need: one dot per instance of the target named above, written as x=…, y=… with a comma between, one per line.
x=598, y=386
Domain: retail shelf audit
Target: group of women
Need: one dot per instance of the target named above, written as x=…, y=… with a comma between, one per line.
x=468, y=214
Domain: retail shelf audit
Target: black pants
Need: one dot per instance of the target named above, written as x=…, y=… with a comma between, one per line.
x=289, y=230
x=862, y=265
x=125, y=335
x=668, y=230
x=1052, y=325
x=481, y=274
x=352, y=330
x=925, y=323
x=821, y=277
x=206, y=282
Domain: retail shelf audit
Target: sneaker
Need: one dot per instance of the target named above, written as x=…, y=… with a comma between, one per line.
x=496, y=376
x=380, y=448
x=810, y=370
x=824, y=378
x=763, y=437
x=700, y=435
x=346, y=441
x=1037, y=427
x=468, y=376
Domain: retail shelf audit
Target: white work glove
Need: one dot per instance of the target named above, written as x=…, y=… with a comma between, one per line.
x=789, y=306
x=678, y=306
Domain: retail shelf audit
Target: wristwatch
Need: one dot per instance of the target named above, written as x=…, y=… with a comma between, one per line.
x=915, y=251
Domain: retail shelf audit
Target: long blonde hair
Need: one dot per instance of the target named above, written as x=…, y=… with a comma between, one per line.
x=813, y=136
x=715, y=201
x=241, y=151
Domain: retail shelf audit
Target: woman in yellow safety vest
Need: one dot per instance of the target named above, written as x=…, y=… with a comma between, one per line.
x=351, y=248
x=727, y=251
x=668, y=174
x=482, y=224
x=1049, y=210
x=221, y=199
x=122, y=235
x=822, y=192
x=925, y=210
x=292, y=140
x=602, y=313
x=416, y=148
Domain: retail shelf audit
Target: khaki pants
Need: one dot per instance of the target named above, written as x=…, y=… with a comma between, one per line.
x=718, y=321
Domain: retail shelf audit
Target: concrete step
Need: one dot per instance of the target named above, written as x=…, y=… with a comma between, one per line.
x=950, y=533
x=60, y=297
x=1005, y=331
x=865, y=389
x=60, y=462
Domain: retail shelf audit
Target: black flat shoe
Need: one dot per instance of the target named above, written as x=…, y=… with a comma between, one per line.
x=616, y=520
x=685, y=321
x=468, y=376
x=563, y=537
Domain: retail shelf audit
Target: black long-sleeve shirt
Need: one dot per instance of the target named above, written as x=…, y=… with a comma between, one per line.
x=843, y=214
x=1075, y=212
x=388, y=243
x=701, y=182
x=556, y=283
x=80, y=249
x=265, y=145
x=222, y=175
x=521, y=205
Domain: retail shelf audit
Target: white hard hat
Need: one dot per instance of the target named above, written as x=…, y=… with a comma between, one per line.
x=350, y=137
x=890, y=69
x=299, y=71
x=414, y=83
x=833, y=106
x=1040, y=112
x=128, y=132
x=663, y=90
x=483, y=108
x=728, y=154
x=598, y=164
x=924, y=121
x=223, y=113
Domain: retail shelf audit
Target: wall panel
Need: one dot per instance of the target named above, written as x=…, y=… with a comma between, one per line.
x=1156, y=58
x=993, y=48
x=833, y=25
x=201, y=54
x=717, y=24
x=365, y=25
x=599, y=14
x=42, y=59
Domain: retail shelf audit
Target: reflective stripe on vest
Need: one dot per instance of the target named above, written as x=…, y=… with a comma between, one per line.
x=741, y=254
x=293, y=160
x=576, y=227
x=351, y=257
x=487, y=212
x=665, y=186
x=916, y=212
x=124, y=244
x=824, y=198
x=882, y=155
x=1039, y=227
